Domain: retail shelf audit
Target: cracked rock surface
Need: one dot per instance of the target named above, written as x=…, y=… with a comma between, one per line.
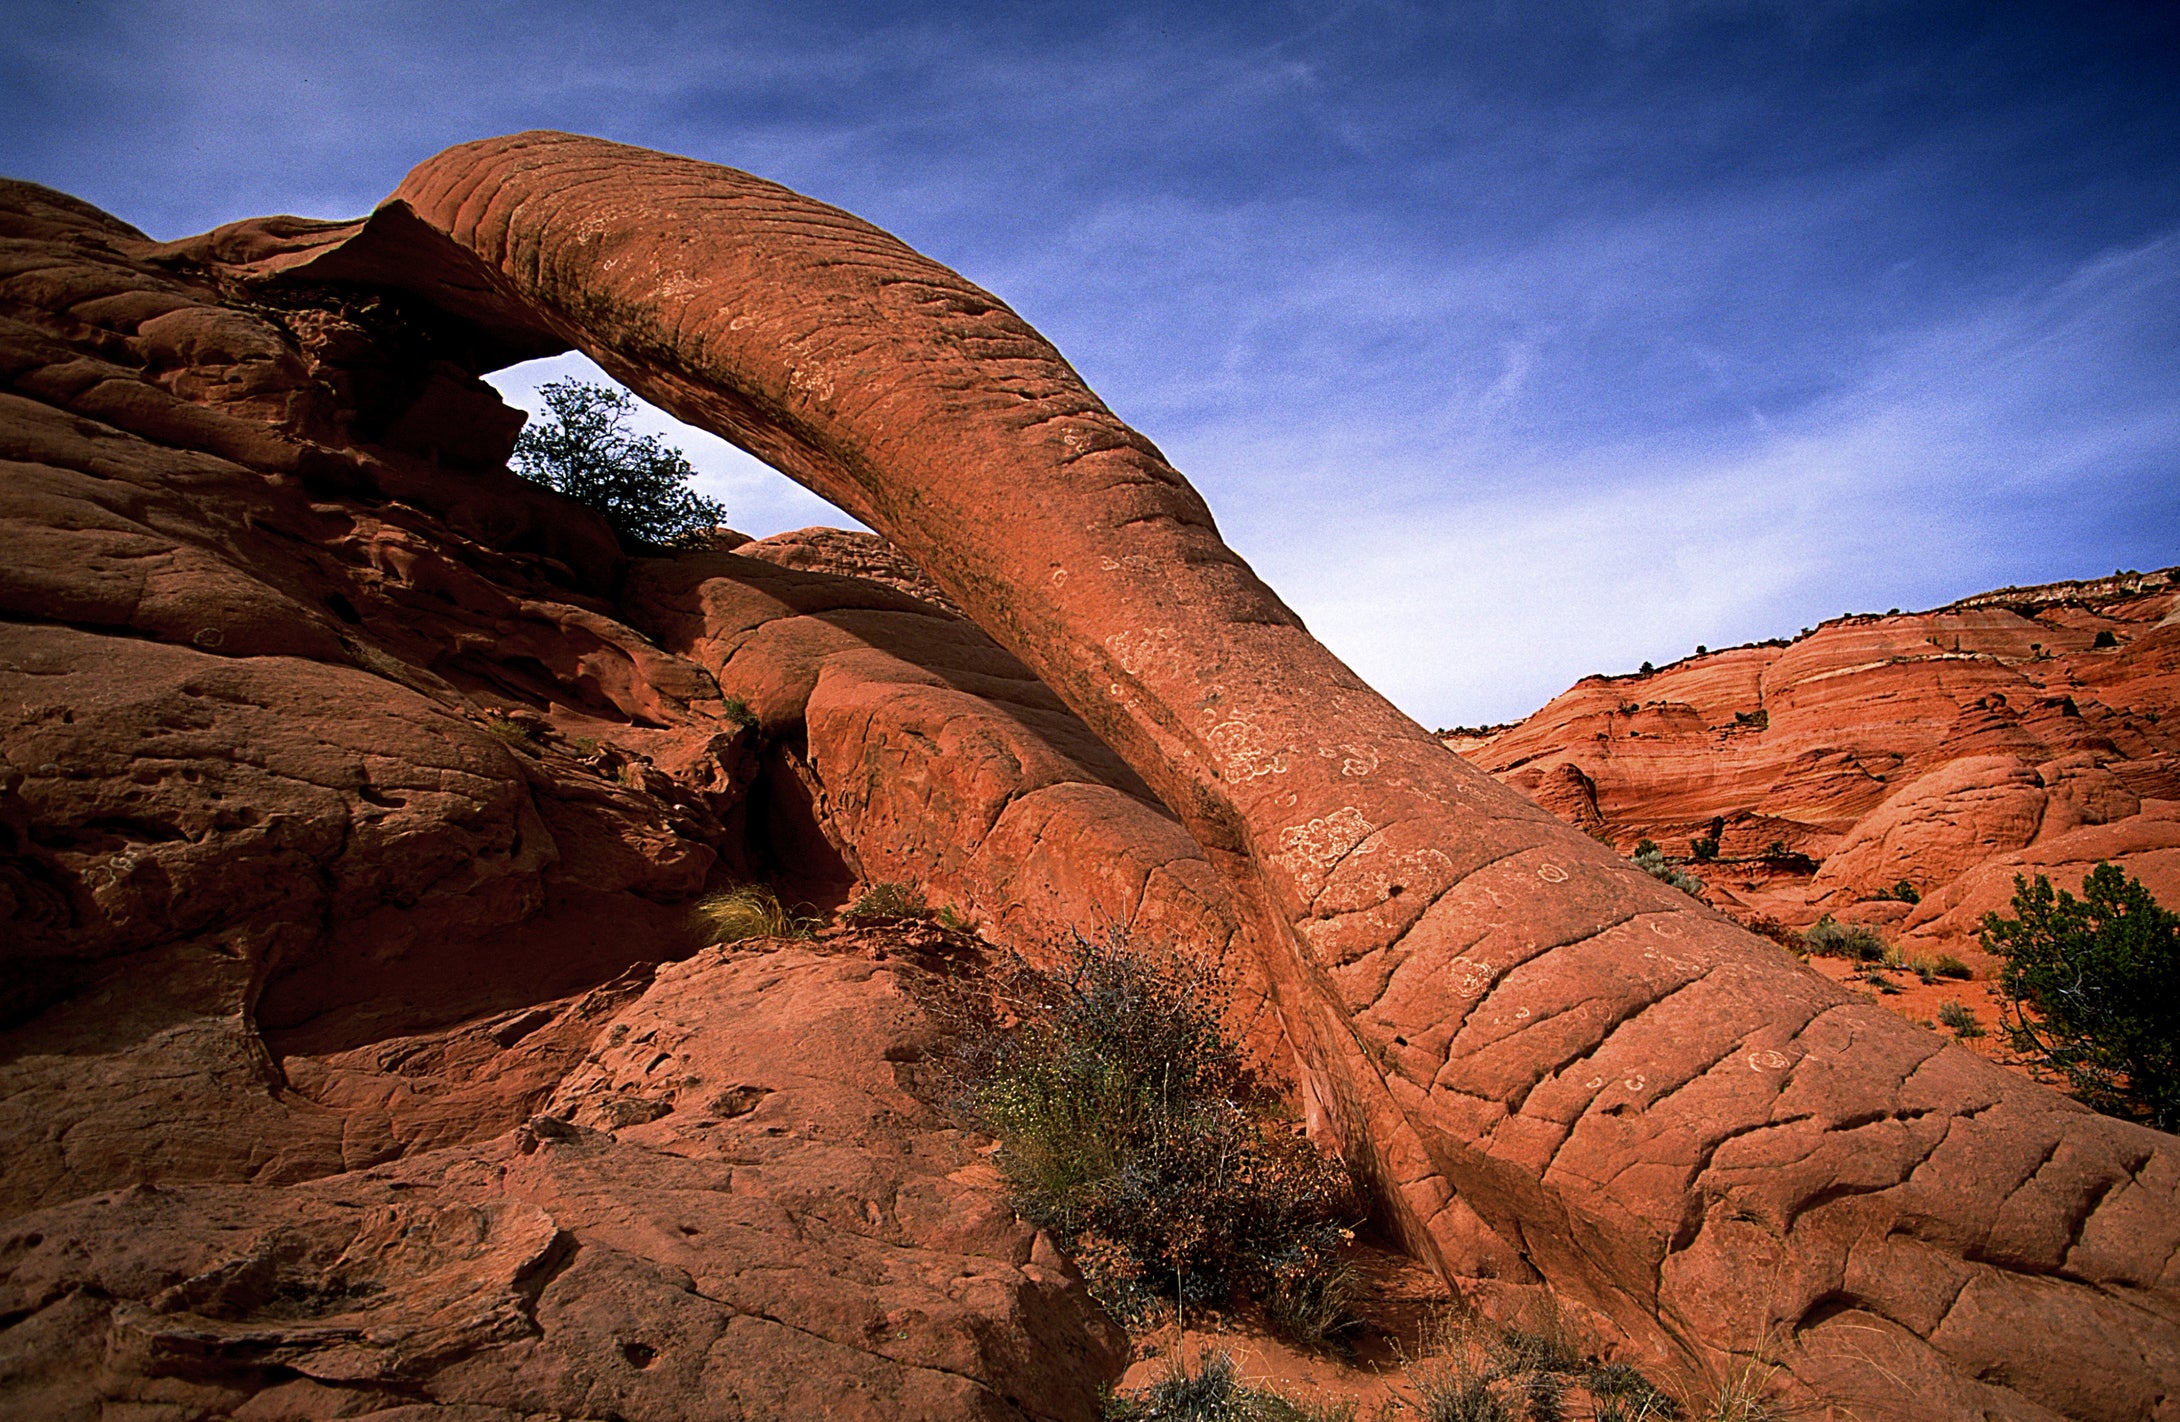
x=346, y=818
x=730, y=1208
x=1549, y=1066
x=354, y=789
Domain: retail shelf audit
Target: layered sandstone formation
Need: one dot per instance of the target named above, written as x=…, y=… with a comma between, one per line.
x=2017, y=732
x=354, y=788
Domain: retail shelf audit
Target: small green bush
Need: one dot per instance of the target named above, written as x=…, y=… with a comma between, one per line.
x=746, y=911
x=1704, y=849
x=1652, y=861
x=1945, y=965
x=2092, y=988
x=1829, y=938
x=1129, y=1125
x=886, y=902
x=584, y=449
x=514, y=733
x=1901, y=892
x=1955, y=1014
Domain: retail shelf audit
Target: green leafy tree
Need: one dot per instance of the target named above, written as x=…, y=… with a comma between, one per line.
x=584, y=448
x=2093, y=990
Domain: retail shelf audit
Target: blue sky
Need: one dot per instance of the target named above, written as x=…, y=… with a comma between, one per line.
x=1510, y=342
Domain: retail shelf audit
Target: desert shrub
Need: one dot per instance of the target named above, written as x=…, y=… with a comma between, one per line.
x=2092, y=988
x=584, y=449
x=1945, y=965
x=735, y=709
x=1472, y=1369
x=1459, y=1379
x=514, y=733
x=1745, y=1396
x=884, y=902
x=2103, y=639
x=1546, y=1395
x=1619, y=1393
x=1455, y=1394
x=1548, y=1347
x=1129, y=1125
x=1704, y=848
x=1829, y=938
x=746, y=911
x=1901, y=892
x=1766, y=926
x=1214, y=1393
x=1955, y=1014
x=1652, y=861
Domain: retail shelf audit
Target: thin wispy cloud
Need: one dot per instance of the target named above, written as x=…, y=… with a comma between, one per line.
x=1510, y=342
x=2001, y=447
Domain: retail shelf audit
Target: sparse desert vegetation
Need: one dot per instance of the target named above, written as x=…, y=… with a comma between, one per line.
x=745, y=911
x=1652, y=861
x=2092, y=987
x=1130, y=1127
x=1829, y=938
x=885, y=902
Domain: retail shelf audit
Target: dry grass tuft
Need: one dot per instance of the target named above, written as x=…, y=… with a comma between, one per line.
x=744, y=912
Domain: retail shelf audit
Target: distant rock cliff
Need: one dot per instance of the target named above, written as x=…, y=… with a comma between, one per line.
x=2026, y=731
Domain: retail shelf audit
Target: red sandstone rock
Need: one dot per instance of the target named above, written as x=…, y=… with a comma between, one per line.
x=1951, y=749
x=1544, y=1061
x=340, y=814
x=1549, y=1066
x=853, y=555
x=730, y=1208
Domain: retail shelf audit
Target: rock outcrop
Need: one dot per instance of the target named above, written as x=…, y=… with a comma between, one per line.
x=345, y=819
x=2017, y=732
x=1543, y=1059
x=335, y=750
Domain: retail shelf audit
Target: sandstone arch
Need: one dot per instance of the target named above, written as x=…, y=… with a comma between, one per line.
x=1550, y=1064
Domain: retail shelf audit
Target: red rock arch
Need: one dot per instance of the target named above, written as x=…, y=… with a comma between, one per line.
x=1550, y=1064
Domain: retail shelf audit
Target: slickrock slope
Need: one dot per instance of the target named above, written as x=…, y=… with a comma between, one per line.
x=1547, y=1063
x=345, y=819
x=353, y=787
x=2025, y=731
